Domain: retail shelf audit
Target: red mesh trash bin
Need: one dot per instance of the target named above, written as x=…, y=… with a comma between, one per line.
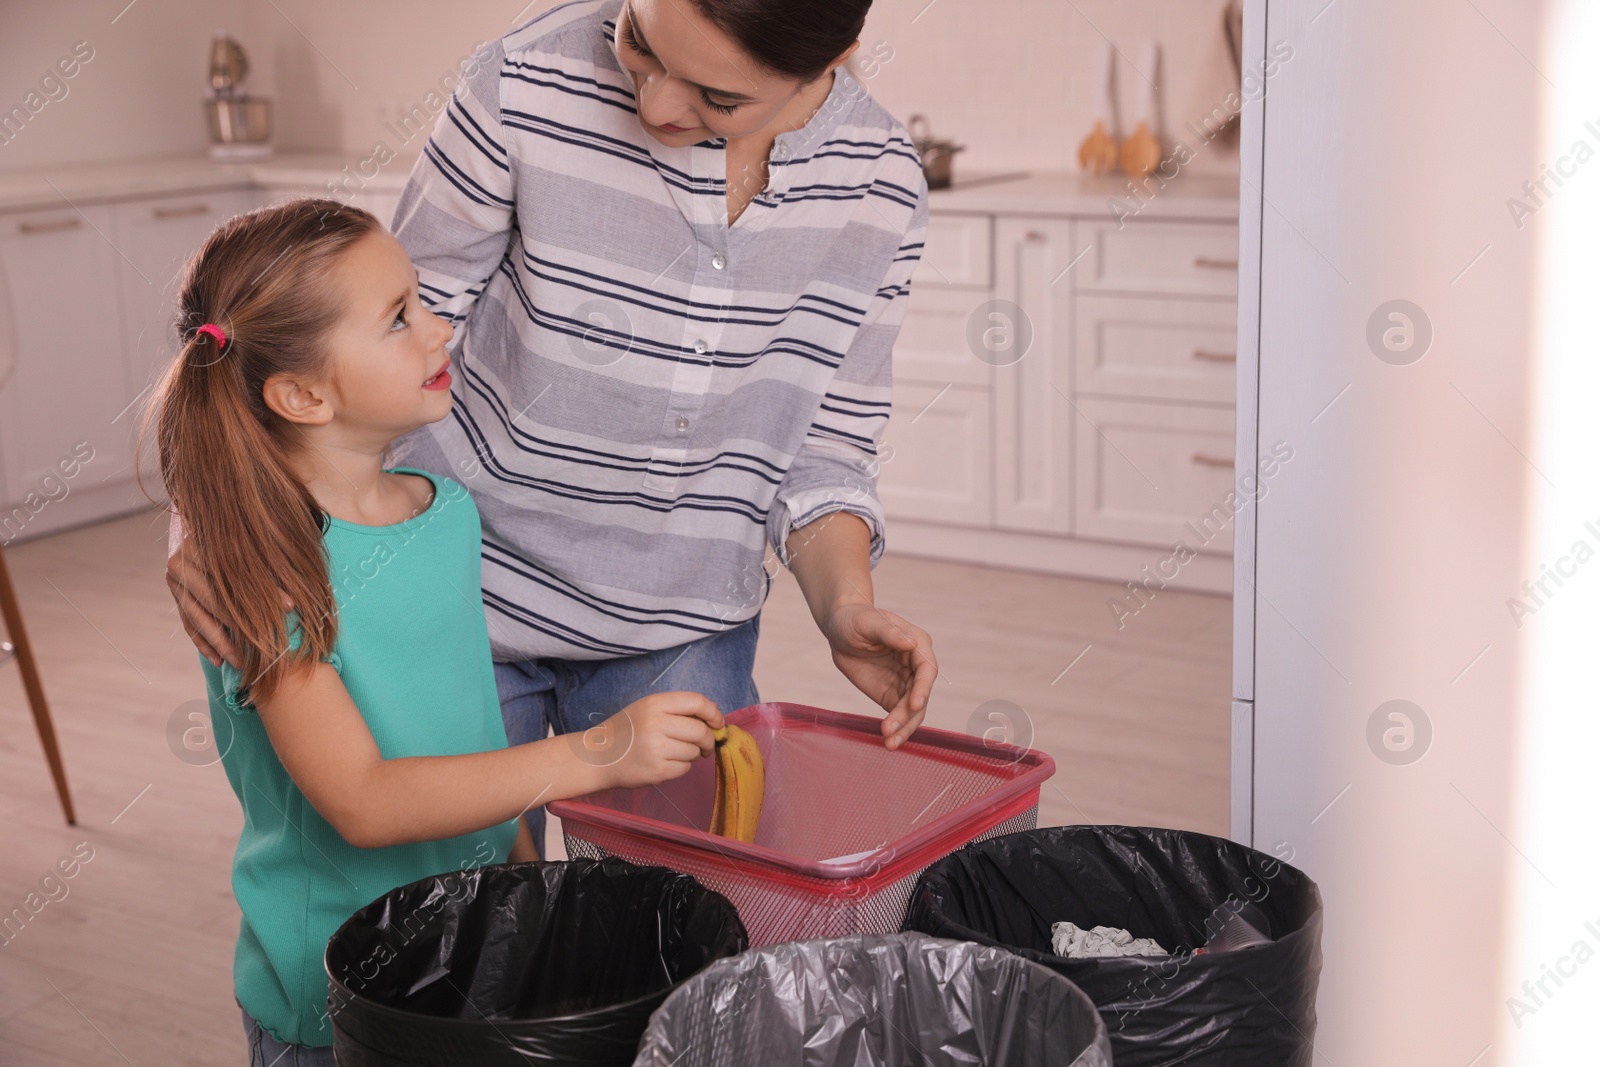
x=846, y=827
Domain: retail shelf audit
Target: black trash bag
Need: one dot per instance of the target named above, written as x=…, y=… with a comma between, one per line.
x=1254, y=1007
x=896, y=1000
x=520, y=964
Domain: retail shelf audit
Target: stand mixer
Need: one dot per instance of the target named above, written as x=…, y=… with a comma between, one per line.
x=241, y=125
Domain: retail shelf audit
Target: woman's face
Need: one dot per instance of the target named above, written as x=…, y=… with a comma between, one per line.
x=691, y=80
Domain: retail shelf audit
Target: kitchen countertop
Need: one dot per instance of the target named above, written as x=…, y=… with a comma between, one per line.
x=98, y=182
x=1205, y=196
x=1038, y=194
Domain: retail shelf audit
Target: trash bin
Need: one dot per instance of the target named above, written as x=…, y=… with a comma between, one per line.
x=1253, y=1007
x=520, y=964
x=895, y=1000
x=846, y=827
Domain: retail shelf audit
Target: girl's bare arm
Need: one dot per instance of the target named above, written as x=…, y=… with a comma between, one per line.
x=325, y=745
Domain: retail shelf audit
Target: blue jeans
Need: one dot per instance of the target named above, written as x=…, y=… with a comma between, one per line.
x=266, y=1051
x=571, y=696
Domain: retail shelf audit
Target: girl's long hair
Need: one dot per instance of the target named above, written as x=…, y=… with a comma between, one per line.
x=252, y=526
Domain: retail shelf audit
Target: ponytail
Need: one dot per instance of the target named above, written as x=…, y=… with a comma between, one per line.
x=252, y=526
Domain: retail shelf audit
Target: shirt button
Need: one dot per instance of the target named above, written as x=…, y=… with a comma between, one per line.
x=682, y=424
x=719, y=261
x=780, y=150
x=701, y=348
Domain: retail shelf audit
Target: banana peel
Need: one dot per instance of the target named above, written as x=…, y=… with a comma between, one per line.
x=741, y=785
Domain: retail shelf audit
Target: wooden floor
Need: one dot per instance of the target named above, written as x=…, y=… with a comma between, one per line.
x=133, y=964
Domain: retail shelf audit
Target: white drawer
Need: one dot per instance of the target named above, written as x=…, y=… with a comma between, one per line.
x=1156, y=474
x=959, y=251
x=1184, y=258
x=932, y=344
x=937, y=456
x=1162, y=349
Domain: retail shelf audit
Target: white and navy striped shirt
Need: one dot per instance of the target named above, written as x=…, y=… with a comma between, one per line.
x=646, y=396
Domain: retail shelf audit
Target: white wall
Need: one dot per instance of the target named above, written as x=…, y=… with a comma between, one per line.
x=340, y=71
x=1557, y=792
x=1388, y=549
x=1014, y=80
x=139, y=96
x=1017, y=80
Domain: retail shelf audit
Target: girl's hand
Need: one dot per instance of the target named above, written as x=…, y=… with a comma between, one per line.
x=653, y=740
x=888, y=659
x=197, y=608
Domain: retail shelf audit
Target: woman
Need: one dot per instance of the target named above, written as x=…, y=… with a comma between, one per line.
x=677, y=240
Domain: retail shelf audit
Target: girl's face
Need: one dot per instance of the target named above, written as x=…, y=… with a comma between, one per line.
x=691, y=81
x=388, y=371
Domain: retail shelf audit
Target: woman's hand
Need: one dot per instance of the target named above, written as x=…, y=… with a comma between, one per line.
x=653, y=740
x=197, y=608
x=882, y=654
x=888, y=659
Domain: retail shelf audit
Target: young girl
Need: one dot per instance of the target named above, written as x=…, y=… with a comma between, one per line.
x=361, y=731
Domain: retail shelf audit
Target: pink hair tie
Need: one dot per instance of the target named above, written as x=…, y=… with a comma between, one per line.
x=216, y=333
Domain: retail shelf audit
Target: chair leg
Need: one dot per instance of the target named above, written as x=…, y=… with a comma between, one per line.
x=12, y=612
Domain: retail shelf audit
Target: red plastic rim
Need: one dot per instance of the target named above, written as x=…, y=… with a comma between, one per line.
x=1029, y=769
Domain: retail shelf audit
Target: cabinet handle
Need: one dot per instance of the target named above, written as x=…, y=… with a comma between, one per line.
x=1033, y=235
x=1211, y=461
x=180, y=212
x=71, y=222
x=1207, y=263
x=1215, y=357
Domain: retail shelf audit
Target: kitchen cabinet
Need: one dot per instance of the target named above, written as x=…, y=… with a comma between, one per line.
x=1032, y=398
x=89, y=264
x=937, y=462
x=1083, y=357
x=155, y=238
x=1155, y=348
x=1155, y=474
x=1138, y=255
x=940, y=459
x=1043, y=308
x=63, y=381
x=932, y=345
x=958, y=251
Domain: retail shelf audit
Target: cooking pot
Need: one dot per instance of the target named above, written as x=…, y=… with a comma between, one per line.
x=936, y=155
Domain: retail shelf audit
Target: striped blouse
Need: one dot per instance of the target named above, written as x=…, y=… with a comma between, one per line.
x=645, y=396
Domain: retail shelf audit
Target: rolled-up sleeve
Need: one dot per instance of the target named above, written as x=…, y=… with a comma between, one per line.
x=458, y=209
x=836, y=468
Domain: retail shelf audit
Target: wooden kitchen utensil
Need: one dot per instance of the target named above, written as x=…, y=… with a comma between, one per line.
x=1098, y=152
x=1141, y=152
